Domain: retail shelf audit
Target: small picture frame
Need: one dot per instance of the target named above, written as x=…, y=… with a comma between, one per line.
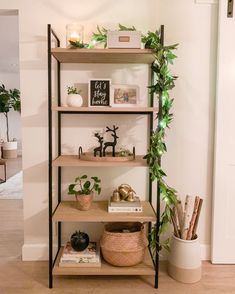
x=99, y=92
x=124, y=95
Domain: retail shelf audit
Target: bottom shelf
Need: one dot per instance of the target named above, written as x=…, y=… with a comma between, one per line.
x=145, y=268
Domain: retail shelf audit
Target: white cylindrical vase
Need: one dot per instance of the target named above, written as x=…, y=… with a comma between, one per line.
x=9, y=149
x=184, y=261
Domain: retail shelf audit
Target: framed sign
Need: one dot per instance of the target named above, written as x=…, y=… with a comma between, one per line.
x=99, y=92
x=124, y=95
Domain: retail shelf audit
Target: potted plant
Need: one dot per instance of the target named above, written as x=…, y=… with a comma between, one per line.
x=74, y=99
x=83, y=189
x=9, y=99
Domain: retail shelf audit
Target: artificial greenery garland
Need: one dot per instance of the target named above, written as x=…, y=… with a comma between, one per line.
x=163, y=83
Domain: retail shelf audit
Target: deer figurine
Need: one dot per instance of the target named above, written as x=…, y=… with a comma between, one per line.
x=111, y=144
x=100, y=148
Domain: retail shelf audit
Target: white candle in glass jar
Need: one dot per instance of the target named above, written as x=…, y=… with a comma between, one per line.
x=74, y=33
x=74, y=37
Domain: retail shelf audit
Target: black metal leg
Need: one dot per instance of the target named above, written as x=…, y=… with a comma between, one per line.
x=51, y=33
x=157, y=239
x=158, y=186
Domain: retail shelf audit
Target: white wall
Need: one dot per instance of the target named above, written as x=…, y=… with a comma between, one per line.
x=9, y=69
x=188, y=162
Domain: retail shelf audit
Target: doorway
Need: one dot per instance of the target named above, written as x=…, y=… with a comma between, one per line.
x=223, y=231
x=11, y=180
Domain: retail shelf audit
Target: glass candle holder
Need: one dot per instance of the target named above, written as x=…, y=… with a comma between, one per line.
x=74, y=33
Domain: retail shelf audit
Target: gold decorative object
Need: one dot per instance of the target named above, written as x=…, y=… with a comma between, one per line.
x=131, y=196
x=116, y=196
x=123, y=193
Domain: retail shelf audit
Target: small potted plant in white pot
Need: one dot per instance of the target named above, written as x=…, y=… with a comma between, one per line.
x=84, y=189
x=74, y=99
x=9, y=99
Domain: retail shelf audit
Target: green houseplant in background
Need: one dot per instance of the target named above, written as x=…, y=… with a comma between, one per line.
x=9, y=99
x=83, y=190
x=161, y=86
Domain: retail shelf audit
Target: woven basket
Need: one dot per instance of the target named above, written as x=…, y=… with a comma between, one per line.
x=123, y=249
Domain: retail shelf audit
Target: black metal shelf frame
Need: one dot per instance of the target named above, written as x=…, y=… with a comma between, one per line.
x=50, y=36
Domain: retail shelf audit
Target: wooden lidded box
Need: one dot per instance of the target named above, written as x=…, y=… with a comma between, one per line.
x=124, y=39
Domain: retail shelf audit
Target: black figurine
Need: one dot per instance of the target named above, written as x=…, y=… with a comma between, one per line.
x=111, y=144
x=100, y=148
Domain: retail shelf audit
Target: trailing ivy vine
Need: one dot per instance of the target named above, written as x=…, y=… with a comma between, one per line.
x=163, y=83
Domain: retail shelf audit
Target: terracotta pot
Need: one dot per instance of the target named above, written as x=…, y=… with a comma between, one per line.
x=84, y=201
x=184, y=261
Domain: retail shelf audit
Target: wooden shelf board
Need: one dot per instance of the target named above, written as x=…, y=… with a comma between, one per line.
x=138, y=56
x=72, y=160
x=106, y=109
x=144, y=268
x=67, y=212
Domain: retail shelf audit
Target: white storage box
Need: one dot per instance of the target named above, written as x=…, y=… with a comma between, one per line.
x=123, y=39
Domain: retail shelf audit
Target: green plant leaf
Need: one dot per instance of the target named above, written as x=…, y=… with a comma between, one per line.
x=96, y=179
x=87, y=185
x=124, y=28
x=71, y=189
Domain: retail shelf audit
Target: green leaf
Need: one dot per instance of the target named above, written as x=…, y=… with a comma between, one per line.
x=87, y=185
x=71, y=189
x=124, y=28
x=96, y=179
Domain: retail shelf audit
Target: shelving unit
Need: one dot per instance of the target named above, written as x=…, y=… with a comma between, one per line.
x=109, y=110
x=104, y=56
x=72, y=160
x=145, y=268
x=66, y=211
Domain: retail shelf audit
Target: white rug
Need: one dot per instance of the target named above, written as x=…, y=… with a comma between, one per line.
x=13, y=188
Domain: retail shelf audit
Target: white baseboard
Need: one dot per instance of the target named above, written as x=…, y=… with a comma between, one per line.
x=206, y=1
x=36, y=252
x=205, y=252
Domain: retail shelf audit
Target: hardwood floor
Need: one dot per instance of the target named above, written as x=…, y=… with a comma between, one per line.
x=31, y=277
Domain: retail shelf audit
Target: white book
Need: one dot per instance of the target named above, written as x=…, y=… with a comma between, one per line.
x=125, y=209
x=69, y=252
x=74, y=261
x=124, y=203
x=79, y=260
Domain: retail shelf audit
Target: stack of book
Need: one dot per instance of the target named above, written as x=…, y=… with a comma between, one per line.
x=90, y=257
x=126, y=206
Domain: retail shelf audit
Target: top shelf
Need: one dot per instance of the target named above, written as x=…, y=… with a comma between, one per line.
x=138, y=56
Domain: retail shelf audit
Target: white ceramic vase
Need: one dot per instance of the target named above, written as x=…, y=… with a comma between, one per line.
x=184, y=261
x=74, y=100
x=9, y=149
